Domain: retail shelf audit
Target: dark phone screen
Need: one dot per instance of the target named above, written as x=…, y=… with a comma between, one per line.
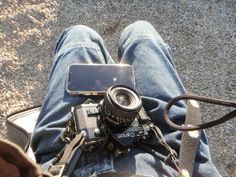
x=98, y=77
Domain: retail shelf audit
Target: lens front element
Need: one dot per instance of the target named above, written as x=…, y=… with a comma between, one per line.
x=120, y=106
x=123, y=99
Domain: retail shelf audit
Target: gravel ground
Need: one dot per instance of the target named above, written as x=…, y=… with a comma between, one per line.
x=202, y=35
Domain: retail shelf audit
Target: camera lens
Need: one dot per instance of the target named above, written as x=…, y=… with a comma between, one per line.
x=120, y=107
x=123, y=99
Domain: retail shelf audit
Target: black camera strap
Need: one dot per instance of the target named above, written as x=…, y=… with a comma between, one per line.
x=200, y=126
x=66, y=160
x=190, y=139
x=193, y=125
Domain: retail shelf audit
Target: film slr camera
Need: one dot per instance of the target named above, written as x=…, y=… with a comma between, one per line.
x=115, y=124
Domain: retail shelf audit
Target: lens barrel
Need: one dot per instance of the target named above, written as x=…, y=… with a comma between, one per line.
x=120, y=107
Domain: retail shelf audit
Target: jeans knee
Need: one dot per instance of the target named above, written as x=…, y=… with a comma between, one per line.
x=138, y=30
x=77, y=34
x=81, y=30
x=142, y=23
x=140, y=27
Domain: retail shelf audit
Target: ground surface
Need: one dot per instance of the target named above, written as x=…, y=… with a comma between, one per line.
x=202, y=35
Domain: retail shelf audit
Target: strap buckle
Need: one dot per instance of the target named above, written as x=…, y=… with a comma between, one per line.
x=57, y=170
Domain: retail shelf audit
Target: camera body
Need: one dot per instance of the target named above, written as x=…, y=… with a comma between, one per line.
x=109, y=126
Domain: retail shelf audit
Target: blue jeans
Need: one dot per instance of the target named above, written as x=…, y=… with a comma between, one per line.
x=157, y=82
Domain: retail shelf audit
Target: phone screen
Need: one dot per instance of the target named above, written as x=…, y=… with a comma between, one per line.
x=92, y=79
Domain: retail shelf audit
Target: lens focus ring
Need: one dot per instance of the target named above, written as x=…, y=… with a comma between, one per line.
x=120, y=106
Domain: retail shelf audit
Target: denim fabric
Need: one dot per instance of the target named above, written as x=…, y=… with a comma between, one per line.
x=157, y=82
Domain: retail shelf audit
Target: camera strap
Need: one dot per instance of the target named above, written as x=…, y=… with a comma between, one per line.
x=193, y=125
x=190, y=139
x=200, y=126
x=171, y=159
x=64, y=163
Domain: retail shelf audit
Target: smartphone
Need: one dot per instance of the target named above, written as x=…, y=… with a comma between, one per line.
x=95, y=79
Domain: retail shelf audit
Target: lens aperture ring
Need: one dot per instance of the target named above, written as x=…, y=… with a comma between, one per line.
x=118, y=121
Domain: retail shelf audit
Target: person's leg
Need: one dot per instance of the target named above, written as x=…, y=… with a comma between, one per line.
x=158, y=82
x=78, y=44
x=155, y=73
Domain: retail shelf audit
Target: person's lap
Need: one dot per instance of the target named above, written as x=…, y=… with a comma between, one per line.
x=157, y=82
